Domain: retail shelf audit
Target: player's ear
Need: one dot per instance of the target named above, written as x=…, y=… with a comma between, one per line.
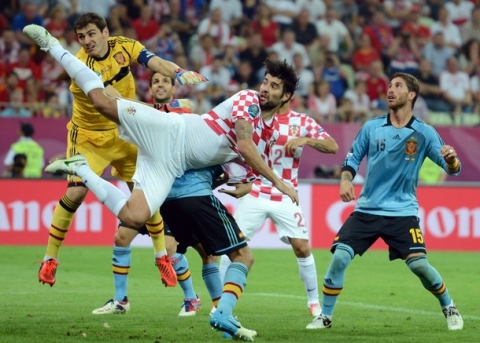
x=106, y=32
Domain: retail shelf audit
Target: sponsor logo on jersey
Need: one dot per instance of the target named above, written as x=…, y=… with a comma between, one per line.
x=411, y=146
x=120, y=58
x=294, y=130
x=253, y=110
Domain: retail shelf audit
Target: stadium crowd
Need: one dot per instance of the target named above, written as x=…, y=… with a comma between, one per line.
x=343, y=51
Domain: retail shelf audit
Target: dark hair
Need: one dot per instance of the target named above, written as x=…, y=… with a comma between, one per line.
x=27, y=129
x=284, y=72
x=90, y=18
x=153, y=74
x=411, y=82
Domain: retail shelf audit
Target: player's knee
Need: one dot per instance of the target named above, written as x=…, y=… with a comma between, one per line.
x=418, y=265
x=121, y=239
x=342, y=257
x=301, y=248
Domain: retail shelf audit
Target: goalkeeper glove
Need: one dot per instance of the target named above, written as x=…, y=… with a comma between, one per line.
x=185, y=77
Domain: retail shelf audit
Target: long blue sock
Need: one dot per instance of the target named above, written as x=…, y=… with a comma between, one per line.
x=234, y=284
x=430, y=278
x=180, y=264
x=213, y=281
x=335, y=278
x=120, y=268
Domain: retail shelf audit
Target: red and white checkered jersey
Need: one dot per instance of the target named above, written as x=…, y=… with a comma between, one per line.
x=292, y=125
x=243, y=105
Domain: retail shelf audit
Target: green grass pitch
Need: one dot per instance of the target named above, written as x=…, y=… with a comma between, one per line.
x=382, y=301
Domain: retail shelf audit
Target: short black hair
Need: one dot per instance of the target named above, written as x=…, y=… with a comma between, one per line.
x=285, y=72
x=155, y=72
x=27, y=129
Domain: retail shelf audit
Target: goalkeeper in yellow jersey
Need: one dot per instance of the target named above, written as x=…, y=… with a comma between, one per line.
x=96, y=137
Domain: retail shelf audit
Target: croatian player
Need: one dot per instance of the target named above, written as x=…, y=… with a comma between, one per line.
x=296, y=130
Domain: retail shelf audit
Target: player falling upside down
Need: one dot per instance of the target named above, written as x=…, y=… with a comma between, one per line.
x=97, y=138
x=169, y=144
x=296, y=130
x=396, y=144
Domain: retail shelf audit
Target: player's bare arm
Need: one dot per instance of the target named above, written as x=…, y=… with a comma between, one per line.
x=239, y=191
x=326, y=146
x=347, y=192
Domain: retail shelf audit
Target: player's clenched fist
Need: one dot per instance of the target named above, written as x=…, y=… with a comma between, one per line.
x=185, y=77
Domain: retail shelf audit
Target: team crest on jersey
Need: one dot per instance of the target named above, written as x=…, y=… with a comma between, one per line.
x=411, y=147
x=294, y=130
x=120, y=58
x=131, y=110
x=253, y=110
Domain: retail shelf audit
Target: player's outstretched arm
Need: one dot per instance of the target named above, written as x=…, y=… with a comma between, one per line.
x=184, y=77
x=327, y=145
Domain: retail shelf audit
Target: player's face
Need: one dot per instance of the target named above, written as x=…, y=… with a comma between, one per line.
x=162, y=89
x=93, y=41
x=398, y=94
x=270, y=94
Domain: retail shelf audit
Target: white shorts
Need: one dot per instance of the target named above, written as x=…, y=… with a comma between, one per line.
x=160, y=138
x=288, y=218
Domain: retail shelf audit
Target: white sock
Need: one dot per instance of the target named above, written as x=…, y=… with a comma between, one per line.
x=223, y=266
x=83, y=76
x=308, y=274
x=159, y=254
x=106, y=193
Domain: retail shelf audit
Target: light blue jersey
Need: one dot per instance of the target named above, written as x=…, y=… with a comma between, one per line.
x=394, y=158
x=194, y=183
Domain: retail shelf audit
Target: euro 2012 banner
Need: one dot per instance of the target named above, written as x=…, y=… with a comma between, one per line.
x=449, y=216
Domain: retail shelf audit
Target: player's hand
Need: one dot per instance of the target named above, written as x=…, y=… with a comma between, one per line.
x=347, y=192
x=178, y=106
x=293, y=144
x=449, y=154
x=185, y=77
x=240, y=190
x=285, y=188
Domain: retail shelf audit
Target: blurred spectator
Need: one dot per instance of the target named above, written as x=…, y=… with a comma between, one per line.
x=364, y=54
x=451, y=32
x=438, y=53
x=218, y=79
x=53, y=74
x=255, y=52
x=263, y=24
x=337, y=33
x=404, y=54
x=245, y=76
x=4, y=23
x=397, y=12
x=117, y=20
x=284, y=11
x=146, y=28
x=70, y=41
x=34, y=96
x=430, y=88
x=288, y=47
x=25, y=67
x=179, y=23
x=160, y=9
x=381, y=35
x=347, y=11
x=26, y=145
x=214, y=26
x=201, y=54
x=315, y=9
x=103, y=7
x=421, y=110
x=335, y=75
x=306, y=76
x=9, y=47
x=231, y=59
x=15, y=106
x=357, y=108
x=52, y=108
x=28, y=15
x=56, y=23
x=166, y=43
x=469, y=57
x=471, y=29
x=201, y=103
x=321, y=103
x=459, y=11
x=8, y=9
x=434, y=7
x=367, y=10
x=377, y=84
x=414, y=26
x=231, y=10
x=475, y=88
x=306, y=34
x=249, y=9
x=455, y=86
x=6, y=89
x=17, y=168
x=430, y=173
